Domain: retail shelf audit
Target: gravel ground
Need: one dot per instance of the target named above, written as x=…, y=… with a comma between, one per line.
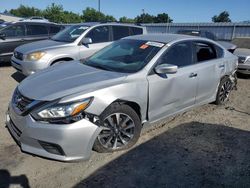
x=205, y=147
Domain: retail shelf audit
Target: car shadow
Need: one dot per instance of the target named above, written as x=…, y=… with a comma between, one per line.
x=189, y=155
x=18, y=76
x=6, y=180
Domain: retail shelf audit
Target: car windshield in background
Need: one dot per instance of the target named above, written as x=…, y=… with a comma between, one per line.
x=125, y=55
x=70, y=34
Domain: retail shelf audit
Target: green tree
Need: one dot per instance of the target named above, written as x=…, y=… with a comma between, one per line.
x=163, y=18
x=54, y=13
x=222, y=17
x=26, y=11
x=91, y=15
x=109, y=18
x=70, y=17
x=145, y=18
x=124, y=19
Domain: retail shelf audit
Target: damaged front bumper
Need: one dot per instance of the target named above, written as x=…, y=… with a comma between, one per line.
x=63, y=142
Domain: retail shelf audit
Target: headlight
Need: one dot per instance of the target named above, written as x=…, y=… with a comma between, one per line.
x=35, y=56
x=59, y=111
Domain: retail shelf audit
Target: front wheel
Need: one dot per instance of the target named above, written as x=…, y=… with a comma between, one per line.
x=224, y=90
x=121, y=129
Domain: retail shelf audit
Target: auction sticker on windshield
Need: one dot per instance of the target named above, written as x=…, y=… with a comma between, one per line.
x=156, y=44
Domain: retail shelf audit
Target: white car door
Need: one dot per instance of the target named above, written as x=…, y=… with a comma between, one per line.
x=173, y=92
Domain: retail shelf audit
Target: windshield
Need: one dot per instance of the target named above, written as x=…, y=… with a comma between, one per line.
x=69, y=34
x=125, y=55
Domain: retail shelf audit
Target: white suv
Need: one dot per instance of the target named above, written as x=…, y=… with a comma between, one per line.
x=73, y=43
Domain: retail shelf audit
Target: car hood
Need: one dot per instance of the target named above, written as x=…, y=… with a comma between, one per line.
x=65, y=79
x=227, y=45
x=42, y=45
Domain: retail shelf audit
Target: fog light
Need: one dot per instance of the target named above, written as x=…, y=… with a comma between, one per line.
x=52, y=148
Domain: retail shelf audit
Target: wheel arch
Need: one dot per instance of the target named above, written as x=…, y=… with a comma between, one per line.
x=61, y=59
x=135, y=106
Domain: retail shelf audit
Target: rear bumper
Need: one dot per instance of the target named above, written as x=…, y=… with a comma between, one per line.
x=5, y=58
x=244, y=68
x=72, y=141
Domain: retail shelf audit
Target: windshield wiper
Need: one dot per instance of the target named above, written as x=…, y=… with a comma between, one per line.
x=100, y=67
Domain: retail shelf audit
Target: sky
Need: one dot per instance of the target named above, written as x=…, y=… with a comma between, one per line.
x=178, y=10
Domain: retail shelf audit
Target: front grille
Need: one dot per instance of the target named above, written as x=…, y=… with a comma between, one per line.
x=242, y=60
x=20, y=101
x=18, y=55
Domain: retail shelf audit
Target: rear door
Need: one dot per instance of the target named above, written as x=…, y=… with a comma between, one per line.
x=173, y=92
x=36, y=31
x=101, y=37
x=210, y=67
x=15, y=35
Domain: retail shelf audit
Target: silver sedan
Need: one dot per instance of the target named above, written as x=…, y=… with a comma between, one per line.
x=102, y=103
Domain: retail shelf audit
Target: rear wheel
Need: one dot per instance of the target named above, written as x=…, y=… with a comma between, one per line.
x=121, y=128
x=224, y=90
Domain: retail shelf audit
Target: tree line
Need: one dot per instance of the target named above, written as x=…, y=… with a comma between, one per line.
x=56, y=13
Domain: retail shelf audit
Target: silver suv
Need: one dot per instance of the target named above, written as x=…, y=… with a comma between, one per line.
x=103, y=102
x=73, y=43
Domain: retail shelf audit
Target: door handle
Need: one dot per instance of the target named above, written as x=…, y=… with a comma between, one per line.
x=222, y=66
x=192, y=75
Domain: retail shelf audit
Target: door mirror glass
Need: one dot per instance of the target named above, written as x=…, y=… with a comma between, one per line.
x=2, y=36
x=166, y=69
x=86, y=41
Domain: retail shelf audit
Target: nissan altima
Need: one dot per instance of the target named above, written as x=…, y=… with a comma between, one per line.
x=103, y=102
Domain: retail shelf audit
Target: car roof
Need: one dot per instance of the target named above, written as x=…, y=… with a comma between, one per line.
x=100, y=23
x=164, y=38
x=34, y=22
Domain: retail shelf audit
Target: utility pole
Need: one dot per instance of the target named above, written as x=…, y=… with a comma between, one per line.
x=99, y=5
x=143, y=15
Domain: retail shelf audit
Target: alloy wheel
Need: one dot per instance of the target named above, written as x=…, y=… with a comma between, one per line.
x=118, y=130
x=225, y=90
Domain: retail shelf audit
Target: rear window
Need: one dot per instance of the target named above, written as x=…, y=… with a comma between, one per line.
x=120, y=32
x=204, y=51
x=37, y=30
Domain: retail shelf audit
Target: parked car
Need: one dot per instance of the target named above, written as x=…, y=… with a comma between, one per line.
x=4, y=24
x=75, y=42
x=104, y=101
x=20, y=33
x=244, y=60
x=206, y=34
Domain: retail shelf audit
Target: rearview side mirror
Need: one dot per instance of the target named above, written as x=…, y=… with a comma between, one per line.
x=2, y=36
x=166, y=69
x=86, y=41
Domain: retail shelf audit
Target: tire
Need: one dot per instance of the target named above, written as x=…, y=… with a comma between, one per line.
x=223, y=92
x=125, y=135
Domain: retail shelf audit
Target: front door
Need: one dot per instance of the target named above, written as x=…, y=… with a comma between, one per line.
x=173, y=92
x=100, y=38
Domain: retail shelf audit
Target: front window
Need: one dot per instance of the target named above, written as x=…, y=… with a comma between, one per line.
x=69, y=34
x=125, y=55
